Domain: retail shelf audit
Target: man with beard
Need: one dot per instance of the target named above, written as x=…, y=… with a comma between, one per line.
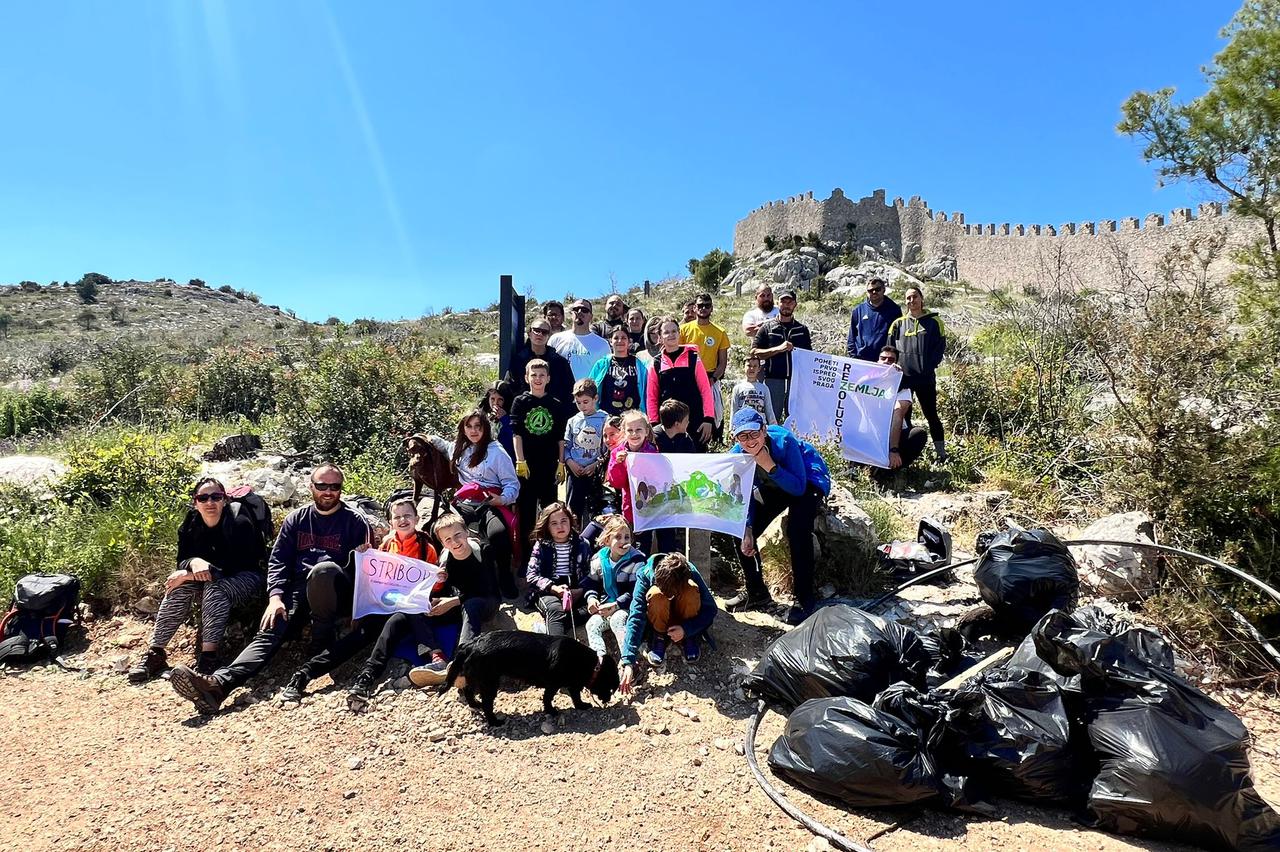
x=579, y=345
x=310, y=575
x=870, y=321
x=553, y=313
x=615, y=314
x=764, y=310
x=773, y=344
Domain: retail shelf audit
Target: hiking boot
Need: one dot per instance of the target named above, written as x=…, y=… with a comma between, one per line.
x=295, y=688
x=657, y=652
x=746, y=601
x=692, y=650
x=362, y=691
x=433, y=673
x=204, y=692
x=152, y=665
x=207, y=662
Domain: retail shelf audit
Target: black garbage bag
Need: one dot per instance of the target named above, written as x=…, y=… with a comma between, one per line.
x=865, y=757
x=1172, y=762
x=838, y=651
x=946, y=649
x=1023, y=575
x=1011, y=731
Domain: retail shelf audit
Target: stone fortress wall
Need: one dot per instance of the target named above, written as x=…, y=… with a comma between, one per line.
x=996, y=254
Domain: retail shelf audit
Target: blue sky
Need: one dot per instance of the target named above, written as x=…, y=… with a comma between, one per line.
x=381, y=159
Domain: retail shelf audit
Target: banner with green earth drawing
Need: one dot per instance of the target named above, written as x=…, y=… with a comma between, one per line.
x=707, y=491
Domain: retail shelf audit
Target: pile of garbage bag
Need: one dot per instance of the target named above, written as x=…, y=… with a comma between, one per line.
x=1025, y=573
x=1088, y=713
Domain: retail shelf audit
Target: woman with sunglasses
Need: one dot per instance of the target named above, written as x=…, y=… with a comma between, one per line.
x=220, y=559
x=538, y=345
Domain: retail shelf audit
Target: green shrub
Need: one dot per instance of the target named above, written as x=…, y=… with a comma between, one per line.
x=135, y=466
x=133, y=384
x=234, y=382
x=40, y=409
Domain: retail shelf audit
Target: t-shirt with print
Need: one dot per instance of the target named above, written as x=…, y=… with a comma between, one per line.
x=620, y=386
x=710, y=340
x=581, y=350
x=749, y=394
x=538, y=421
x=584, y=438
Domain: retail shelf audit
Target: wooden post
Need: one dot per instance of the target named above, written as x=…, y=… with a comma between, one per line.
x=698, y=550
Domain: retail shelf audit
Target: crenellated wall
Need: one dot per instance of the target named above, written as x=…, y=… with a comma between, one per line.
x=990, y=253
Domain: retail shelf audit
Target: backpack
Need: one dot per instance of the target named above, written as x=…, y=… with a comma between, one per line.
x=243, y=499
x=44, y=607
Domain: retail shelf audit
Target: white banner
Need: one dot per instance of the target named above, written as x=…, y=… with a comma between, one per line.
x=706, y=491
x=387, y=583
x=845, y=401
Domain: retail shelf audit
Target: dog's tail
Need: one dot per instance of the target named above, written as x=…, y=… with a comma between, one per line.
x=454, y=671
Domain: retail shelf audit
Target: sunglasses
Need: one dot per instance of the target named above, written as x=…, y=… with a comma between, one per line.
x=215, y=497
x=703, y=307
x=327, y=486
x=581, y=310
x=539, y=331
x=875, y=289
x=749, y=435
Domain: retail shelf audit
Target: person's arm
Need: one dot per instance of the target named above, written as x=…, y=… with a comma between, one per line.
x=637, y=617
x=532, y=575
x=761, y=348
x=940, y=348
x=651, y=392
x=851, y=345
x=642, y=383
x=789, y=470
x=187, y=549
x=616, y=473
x=722, y=359
x=769, y=418
x=895, y=434
x=704, y=388
x=283, y=556
x=504, y=469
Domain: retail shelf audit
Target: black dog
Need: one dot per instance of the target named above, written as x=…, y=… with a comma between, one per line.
x=551, y=662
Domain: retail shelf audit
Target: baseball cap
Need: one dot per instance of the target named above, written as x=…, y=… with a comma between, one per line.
x=786, y=293
x=747, y=420
x=580, y=303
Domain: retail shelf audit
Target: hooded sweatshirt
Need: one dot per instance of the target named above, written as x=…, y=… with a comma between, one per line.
x=921, y=343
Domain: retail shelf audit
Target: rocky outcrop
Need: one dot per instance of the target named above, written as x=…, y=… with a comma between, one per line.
x=844, y=540
x=1115, y=571
x=39, y=473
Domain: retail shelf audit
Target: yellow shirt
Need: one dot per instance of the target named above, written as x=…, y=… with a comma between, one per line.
x=710, y=339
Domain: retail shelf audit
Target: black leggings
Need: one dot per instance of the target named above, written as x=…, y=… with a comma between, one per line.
x=926, y=390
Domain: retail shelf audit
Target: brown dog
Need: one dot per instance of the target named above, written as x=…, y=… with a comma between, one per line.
x=429, y=466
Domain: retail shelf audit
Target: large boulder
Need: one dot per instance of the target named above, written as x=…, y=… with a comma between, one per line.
x=276, y=487
x=852, y=280
x=1116, y=571
x=795, y=270
x=39, y=473
x=844, y=540
x=941, y=268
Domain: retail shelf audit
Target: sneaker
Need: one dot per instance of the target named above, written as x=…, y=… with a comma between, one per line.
x=207, y=662
x=295, y=688
x=433, y=673
x=366, y=684
x=692, y=650
x=746, y=601
x=205, y=692
x=152, y=665
x=657, y=652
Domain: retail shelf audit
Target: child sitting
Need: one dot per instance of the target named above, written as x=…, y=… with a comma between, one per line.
x=753, y=392
x=672, y=600
x=672, y=436
x=613, y=572
x=560, y=562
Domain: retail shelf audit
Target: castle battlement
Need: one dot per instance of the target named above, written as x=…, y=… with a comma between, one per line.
x=988, y=252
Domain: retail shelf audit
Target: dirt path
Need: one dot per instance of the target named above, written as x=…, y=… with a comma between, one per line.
x=101, y=764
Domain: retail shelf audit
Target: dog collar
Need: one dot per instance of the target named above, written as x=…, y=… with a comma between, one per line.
x=595, y=673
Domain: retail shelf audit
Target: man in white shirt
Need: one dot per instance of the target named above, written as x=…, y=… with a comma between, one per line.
x=580, y=345
x=764, y=309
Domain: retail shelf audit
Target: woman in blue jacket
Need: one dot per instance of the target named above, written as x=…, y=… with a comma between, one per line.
x=790, y=474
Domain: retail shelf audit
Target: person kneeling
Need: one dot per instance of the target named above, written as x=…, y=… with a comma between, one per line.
x=673, y=600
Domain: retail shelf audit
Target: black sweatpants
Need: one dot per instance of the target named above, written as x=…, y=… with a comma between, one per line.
x=925, y=389
x=800, y=521
x=538, y=490
x=492, y=531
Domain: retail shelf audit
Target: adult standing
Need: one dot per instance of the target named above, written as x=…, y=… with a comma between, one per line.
x=538, y=347
x=921, y=339
x=620, y=377
x=652, y=343
x=713, y=349
x=790, y=474
x=553, y=313
x=775, y=340
x=676, y=374
x=615, y=314
x=580, y=346
x=870, y=321
x=309, y=575
x=764, y=310
x=636, y=323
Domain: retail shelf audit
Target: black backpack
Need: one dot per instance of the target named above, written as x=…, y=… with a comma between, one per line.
x=44, y=608
x=245, y=500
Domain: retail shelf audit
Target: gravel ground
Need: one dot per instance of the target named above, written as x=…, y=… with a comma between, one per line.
x=102, y=764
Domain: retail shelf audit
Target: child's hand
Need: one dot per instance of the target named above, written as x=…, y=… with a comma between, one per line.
x=608, y=609
x=593, y=606
x=522, y=469
x=622, y=456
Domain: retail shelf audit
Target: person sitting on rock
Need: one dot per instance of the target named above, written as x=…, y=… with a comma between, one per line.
x=612, y=582
x=220, y=556
x=671, y=603
x=791, y=475
x=405, y=539
x=310, y=576
x=560, y=562
x=906, y=442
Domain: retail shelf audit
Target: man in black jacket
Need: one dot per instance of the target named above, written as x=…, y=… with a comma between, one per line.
x=774, y=343
x=310, y=575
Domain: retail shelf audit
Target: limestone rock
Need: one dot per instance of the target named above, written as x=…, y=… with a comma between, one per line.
x=843, y=535
x=274, y=486
x=934, y=269
x=852, y=280
x=1114, y=570
x=34, y=472
x=796, y=270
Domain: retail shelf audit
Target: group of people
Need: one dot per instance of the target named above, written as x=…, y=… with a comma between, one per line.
x=574, y=404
